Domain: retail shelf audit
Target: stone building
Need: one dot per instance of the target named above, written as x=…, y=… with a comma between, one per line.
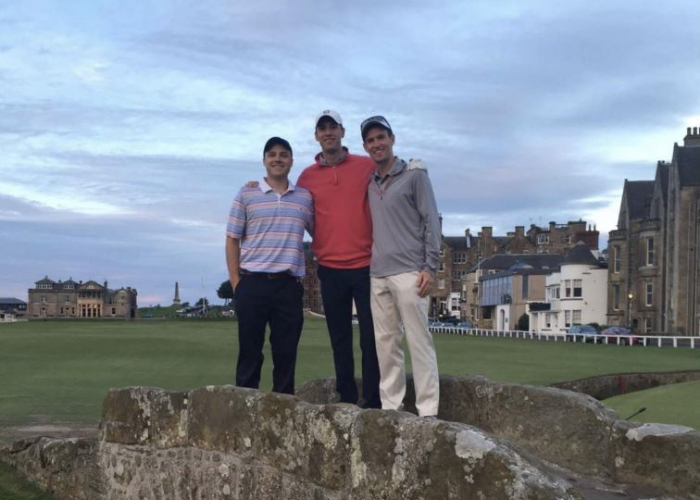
x=654, y=271
x=459, y=254
x=499, y=288
x=70, y=299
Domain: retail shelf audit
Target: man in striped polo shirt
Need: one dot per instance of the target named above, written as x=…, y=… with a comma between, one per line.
x=265, y=259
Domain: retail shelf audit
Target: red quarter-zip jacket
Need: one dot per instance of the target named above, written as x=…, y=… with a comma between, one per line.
x=343, y=223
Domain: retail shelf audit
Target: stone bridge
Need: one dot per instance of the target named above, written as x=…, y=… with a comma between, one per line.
x=493, y=441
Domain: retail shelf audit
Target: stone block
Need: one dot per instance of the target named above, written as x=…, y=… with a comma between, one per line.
x=144, y=415
x=223, y=418
x=659, y=455
x=397, y=456
x=307, y=440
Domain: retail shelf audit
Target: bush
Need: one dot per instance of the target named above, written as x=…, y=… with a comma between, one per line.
x=524, y=322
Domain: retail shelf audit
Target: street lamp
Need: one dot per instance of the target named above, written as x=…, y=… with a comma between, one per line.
x=630, y=297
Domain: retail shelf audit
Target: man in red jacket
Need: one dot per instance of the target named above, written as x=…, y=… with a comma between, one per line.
x=342, y=244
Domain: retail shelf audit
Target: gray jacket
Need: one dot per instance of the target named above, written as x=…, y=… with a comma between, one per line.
x=406, y=229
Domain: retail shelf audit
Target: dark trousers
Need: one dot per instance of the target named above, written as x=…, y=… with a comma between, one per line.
x=338, y=289
x=278, y=302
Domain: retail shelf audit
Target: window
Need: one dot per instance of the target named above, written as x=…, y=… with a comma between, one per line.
x=525, y=286
x=114, y=311
x=576, y=317
x=442, y=252
x=441, y=284
x=542, y=239
x=578, y=288
x=650, y=293
x=441, y=266
x=567, y=288
x=616, y=297
x=459, y=258
x=648, y=325
x=43, y=299
x=568, y=239
x=548, y=320
x=567, y=319
x=617, y=262
x=650, y=252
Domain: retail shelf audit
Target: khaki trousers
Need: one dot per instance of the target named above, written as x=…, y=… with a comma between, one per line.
x=395, y=302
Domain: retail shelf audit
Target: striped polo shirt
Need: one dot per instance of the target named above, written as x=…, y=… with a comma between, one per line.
x=271, y=228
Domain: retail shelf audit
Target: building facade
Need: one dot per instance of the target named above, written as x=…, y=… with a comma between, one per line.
x=12, y=309
x=69, y=299
x=654, y=271
x=574, y=295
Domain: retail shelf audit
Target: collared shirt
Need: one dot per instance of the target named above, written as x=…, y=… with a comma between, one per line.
x=271, y=227
x=405, y=222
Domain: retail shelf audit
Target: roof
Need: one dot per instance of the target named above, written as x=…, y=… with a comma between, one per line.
x=11, y=301
x=662, y=177
x=638, y=195
x=688, y=160
x=580, y=254
x=458, y=243
x=503, y=261
x=45, y=281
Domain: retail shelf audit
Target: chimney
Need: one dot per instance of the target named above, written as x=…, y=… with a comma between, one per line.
x=519, y=231
x=487, y=231
x=440, y=221
x=552, y=226
x=692, y=138
x=467, y=232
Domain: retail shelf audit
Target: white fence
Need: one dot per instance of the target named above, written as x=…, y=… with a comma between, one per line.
x=640, y=340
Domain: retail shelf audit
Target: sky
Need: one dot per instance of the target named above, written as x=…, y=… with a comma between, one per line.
x=126, y=128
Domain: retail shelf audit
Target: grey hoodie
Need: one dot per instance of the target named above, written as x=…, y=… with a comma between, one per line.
x=406, y=229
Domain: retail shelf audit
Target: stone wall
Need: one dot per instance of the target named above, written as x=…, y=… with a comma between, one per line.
x=606, y=386
x=502, y=441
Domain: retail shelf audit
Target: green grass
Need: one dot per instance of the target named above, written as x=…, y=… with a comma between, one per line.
x=12, y=487
x=669, y=404
x=60, y=371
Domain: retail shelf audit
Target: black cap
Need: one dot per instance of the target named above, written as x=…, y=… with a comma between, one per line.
x=374, y=121
x=277, y=141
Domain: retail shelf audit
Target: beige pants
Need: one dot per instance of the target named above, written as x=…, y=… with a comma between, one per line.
x=395, y=301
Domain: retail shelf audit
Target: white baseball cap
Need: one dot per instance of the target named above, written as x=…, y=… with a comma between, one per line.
x=333, y=115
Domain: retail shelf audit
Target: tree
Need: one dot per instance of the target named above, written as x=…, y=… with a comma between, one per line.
x=524, y=322
x=225, y=292
x=203, y=302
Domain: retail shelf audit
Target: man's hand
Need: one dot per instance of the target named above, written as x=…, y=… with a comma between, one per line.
x=235, y=279
x=416, y=164
x=252, y=184
x=425, y=283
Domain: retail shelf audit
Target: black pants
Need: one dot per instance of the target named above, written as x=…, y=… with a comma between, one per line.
x=278, y=302
x=338, y=289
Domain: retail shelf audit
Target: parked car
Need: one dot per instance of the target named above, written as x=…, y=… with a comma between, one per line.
x=467, y=325
x=450, y=321
x=620, y=332
x=587, y=330
x=436, y=324
x=228, y=314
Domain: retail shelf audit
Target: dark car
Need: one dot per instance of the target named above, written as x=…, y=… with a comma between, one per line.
x=450, y=320
x=622, y=333
x=585, y=332
x=466, y=324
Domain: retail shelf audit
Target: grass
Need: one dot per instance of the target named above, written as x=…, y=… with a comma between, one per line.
x=12, y=487
x=60, y=371
x=670, y=404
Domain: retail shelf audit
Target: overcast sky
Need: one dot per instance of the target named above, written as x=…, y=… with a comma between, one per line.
x=126, y=127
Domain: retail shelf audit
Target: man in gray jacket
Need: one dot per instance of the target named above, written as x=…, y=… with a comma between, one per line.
x=404, y=261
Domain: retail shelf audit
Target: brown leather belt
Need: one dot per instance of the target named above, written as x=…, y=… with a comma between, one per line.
x=270, y=276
